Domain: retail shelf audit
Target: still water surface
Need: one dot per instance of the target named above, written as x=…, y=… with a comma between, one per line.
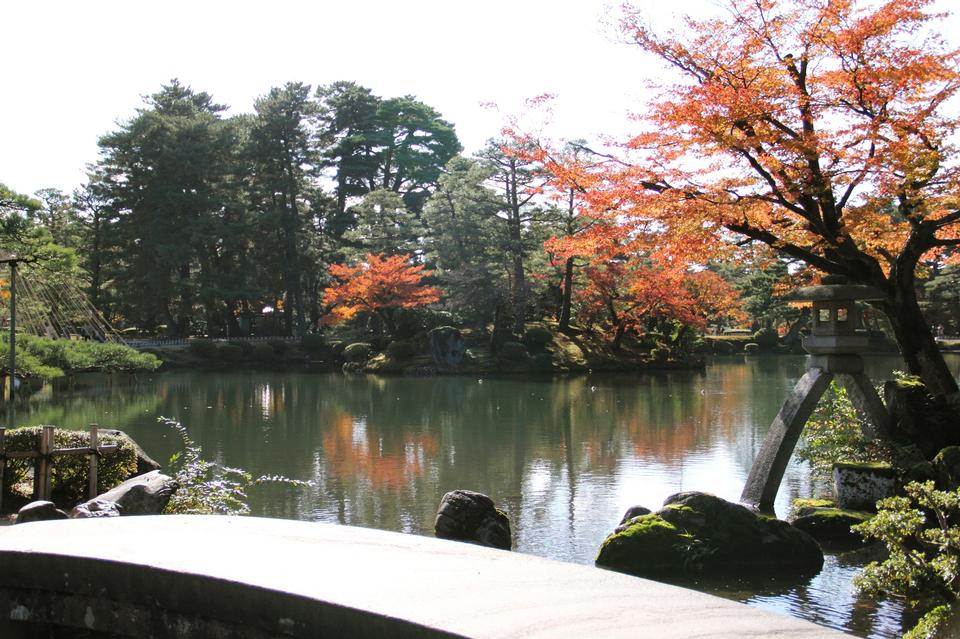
x=564, y=458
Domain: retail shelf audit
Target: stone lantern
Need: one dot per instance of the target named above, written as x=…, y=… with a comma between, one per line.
x=835, y=344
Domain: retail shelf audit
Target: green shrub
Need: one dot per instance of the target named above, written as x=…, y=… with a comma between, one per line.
x=313, y=343
x=209, y=488
x=767, y=339
x=513, y=352
x=244, y=346
x=400, y=350
x=279, y=346
x=357, y=352
x=263, y=352
x=229, y=352
x=834, y=433
x=537, y=338
x=203, y=348
x=69, y=476
x=922, y=534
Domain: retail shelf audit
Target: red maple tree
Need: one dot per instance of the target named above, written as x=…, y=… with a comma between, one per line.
x=817, y=128
x=378, y=285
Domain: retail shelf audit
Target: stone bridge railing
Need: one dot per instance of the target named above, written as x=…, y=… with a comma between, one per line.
x=194, y=576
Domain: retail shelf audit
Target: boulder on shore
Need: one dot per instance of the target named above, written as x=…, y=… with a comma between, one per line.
x=39, y=511
x=95, y=508
x=447, y=346
x=697, y=533
x=465, y=515
x=141, y=495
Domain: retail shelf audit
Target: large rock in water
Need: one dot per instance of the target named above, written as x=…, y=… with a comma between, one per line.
x=447, y=346
x=696, y=533
x=142, y=495
x=464, y=515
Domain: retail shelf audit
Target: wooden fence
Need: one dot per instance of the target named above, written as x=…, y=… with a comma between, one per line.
x=43, y=456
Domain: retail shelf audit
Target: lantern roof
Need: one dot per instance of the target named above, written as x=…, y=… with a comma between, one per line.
x=835, y=287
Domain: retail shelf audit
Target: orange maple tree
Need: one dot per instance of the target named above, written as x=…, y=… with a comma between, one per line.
x=815, y=127
x=378, y=285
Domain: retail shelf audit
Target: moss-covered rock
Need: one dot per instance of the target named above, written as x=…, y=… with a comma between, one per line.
x=803, y=507
x=698, y=533
x=832, y=525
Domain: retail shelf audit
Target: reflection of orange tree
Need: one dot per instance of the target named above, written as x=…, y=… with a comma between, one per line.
x=354, y=451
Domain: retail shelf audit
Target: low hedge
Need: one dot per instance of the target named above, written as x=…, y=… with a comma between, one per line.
x=537, y=338
x=69, y=476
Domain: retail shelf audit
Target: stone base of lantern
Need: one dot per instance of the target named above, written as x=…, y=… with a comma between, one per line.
x=771, y=462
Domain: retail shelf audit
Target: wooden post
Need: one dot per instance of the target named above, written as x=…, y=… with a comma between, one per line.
x=94, y=455
x=41, y=471
x=3, y=464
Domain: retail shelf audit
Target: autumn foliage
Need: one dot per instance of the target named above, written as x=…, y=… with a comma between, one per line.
x=816, y=127
x=378, y=285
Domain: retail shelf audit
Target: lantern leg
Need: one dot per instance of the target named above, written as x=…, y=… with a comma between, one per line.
x=869, y=406
x=767, y=470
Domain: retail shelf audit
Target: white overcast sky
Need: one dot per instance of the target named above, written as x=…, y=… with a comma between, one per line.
x=73, y=69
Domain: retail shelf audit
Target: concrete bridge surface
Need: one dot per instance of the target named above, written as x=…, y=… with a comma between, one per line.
x=199, y=576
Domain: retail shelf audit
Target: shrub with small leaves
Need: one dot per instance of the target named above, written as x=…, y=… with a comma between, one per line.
x=279, y=346
x=767, y=339
x=209, y=488
x=263, y=352
x=245, y=347
x=230, y=353
x=537, y=338
x=922, y=534
x=203, y=348
x=835, y=434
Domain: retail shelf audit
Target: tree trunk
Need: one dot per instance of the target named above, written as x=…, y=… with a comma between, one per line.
x=917, y=344
x=618, y=336
x=793, y=333
x=567, y=293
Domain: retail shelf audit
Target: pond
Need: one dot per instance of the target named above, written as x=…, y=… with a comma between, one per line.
x=564, y=458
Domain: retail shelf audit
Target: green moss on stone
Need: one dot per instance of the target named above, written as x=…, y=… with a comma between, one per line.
x=803, y=507
x=828, y=525
x=878, y=467
x=645, y=545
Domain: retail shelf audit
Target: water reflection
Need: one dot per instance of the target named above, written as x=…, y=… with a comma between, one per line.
x=563, y=458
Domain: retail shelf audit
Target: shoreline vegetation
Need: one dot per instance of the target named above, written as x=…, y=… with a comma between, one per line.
x=542, y=350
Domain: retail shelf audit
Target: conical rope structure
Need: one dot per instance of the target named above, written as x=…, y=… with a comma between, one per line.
x=58, y=309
